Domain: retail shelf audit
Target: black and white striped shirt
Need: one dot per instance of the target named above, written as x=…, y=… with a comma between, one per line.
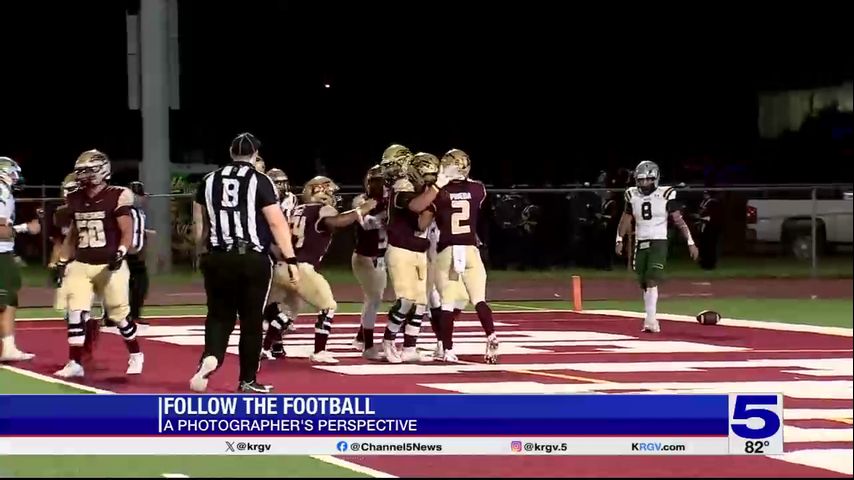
x=138, y=237
x=233, y=197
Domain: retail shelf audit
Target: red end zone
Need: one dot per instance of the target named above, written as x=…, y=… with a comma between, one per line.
x=542, y=352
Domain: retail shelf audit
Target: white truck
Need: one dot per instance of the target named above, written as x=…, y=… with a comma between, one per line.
x=789, y=222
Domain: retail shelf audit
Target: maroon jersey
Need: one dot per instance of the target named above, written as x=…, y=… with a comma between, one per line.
x=372, y=241
x=61, y=224
x=403, y=231
x=457, y=210
x=96, y=219
x=311, y=238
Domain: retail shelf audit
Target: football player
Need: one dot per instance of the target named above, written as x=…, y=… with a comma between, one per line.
x=10, y=274
x=650, y=205
x=61, y=227
x=457, y=210
x=287, y=199
x=93, y=259
x=406, y=256
x=312, y=225
x=275, y=313
x=368, y=260
x=434, y=299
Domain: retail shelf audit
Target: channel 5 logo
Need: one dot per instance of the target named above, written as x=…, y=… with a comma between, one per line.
x=755, y=416
x=516, y=446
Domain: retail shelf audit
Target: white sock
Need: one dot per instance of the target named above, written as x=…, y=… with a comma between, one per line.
x=8, y=343
x=650, y=301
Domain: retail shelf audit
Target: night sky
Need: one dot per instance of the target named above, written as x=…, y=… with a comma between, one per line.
x=432, y=75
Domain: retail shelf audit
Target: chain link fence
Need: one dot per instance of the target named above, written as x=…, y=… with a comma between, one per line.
x=787, y=229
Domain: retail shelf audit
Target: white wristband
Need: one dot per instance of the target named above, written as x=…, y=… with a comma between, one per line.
x=619, y=239
x=21, y=228
x=690, y=242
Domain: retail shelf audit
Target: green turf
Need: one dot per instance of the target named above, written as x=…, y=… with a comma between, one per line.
x=741, y=267
x=135, y=466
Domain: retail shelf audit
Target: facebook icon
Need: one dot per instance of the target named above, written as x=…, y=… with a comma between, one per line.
x=342, y=446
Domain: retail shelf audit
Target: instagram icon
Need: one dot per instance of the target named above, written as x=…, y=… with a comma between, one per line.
x=516, y=446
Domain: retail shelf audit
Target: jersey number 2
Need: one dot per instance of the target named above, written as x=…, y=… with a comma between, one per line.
x=646, y=211
x=460, y=217
x=91, y=234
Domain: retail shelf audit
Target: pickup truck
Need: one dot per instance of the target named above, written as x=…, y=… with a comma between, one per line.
x=788, y=222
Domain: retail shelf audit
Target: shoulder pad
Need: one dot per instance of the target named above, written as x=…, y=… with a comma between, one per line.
x=327, y=211
x=668, y=193
x=403, y=185
x=630, y=192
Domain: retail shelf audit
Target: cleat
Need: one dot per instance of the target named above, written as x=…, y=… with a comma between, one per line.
x=324, y=356
x=450, y=357
x=278, y=350
x=410, y=355
x=651, y=327
x=374, y=353
x=267, y=355
x=391, y=354
x=360, y=346
x=16, y=355
x=491, y=355
x=70, y=370
x=199, y=382
x=439, y=351
x=135, y=363
x=254, y=387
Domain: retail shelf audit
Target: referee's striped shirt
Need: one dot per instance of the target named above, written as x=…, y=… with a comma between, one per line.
x=138, y=237
x=233, y=197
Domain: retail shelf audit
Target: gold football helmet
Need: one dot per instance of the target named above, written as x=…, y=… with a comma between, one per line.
x=69, y=184
x=92, y=168
x=456, y=163
x=260, y=165
x=395, y=162
x=423, y=169
x=321, y=189
x=280, y=180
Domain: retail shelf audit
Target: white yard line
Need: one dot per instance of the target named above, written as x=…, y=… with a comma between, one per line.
x=735, y=322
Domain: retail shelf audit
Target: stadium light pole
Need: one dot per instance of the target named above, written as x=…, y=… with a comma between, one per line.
x=155, y=167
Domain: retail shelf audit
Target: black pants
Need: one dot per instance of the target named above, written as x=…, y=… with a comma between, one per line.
x=236, y=284
x=138, y=285
x=708, y=247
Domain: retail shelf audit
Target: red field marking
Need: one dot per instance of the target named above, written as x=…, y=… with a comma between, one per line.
x=169, y=367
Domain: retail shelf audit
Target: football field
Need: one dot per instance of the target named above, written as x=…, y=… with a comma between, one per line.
x=803, y=351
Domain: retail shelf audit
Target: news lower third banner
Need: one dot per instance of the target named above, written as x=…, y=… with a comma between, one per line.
x=598, y=424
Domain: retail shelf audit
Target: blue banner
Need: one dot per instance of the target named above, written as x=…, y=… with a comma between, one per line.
x=413, y=415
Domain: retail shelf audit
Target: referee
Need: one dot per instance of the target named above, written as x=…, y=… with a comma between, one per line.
x=237, y=217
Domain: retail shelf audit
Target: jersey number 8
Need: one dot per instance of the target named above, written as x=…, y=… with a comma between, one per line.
x=646, y=211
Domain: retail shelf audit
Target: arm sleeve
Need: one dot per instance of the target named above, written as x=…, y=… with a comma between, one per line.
x=265, y=193
x=402, y=199
x=325, y=211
